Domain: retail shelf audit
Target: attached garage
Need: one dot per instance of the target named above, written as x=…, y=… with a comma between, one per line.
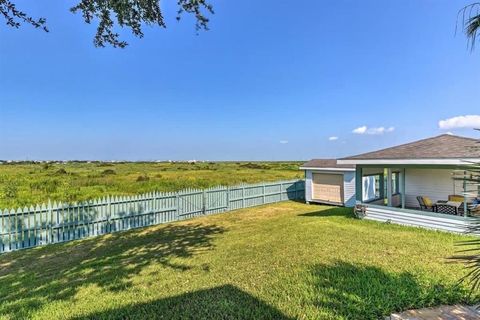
x=329, y=183
x=327, y=187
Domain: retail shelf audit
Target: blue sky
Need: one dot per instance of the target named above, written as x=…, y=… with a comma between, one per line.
x=271, y=80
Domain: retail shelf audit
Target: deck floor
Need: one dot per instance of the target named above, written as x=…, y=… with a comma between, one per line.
x=458, y=312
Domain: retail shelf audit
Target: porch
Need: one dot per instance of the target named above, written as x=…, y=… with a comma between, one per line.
x=424, y=196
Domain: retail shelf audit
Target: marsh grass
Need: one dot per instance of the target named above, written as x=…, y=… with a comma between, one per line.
x=30, y=184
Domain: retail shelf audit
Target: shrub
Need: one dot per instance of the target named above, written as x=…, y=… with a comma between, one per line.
x=10, y=190
x=142, y=178
x=61, y=171
x=251, y=165
x=105, y=164
x=45, y=185
x=107, y=172
x=68, y=193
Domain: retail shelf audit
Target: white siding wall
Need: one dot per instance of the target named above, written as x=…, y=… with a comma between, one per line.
x=308, y=185
x=436, y=184
x=349, y=188
x=348, y=185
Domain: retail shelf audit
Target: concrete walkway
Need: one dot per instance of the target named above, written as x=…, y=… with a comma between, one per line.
x=457, y=312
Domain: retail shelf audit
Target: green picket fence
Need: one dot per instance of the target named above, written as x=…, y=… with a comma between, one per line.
x=59, y=222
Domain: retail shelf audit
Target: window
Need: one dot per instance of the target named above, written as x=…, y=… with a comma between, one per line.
x=371, y=187
x=395, y=182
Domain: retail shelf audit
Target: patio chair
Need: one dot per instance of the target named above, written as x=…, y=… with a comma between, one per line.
x=456, y=198
x=425, y=203
x=472, y=210
x=475, y=211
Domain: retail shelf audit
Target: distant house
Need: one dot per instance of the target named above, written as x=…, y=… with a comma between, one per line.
x=408, y=184
x=328, y=182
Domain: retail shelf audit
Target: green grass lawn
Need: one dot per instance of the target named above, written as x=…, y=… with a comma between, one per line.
x=31, y=184
x=282, y=261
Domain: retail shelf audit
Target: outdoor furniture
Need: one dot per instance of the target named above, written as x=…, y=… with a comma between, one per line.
x=475, y=211
x=455, y=197
x=448, y=207
x=425, y=203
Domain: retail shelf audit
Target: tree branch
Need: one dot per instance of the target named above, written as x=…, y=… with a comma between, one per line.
x=131, y=14
x=15, y=17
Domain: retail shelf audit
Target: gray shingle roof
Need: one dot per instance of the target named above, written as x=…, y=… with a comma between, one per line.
x=445, y=146
x=326, y=163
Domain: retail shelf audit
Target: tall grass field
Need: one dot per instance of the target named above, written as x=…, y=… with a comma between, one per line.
x=24, y=184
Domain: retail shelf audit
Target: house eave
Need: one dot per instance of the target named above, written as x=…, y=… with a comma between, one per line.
x=327, y=169
x=451, y=161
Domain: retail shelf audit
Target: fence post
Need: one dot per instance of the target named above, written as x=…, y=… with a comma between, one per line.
x=57, y=221
x=281, y=191
x=177, y=205
x=50, y=227
x=109, y=214
x=154, y=207
x=204, y=202
x=263, y=189
x=243, y=196
x=228, y=199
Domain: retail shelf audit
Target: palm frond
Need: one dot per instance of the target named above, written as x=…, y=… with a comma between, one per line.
x=469, y=255
x=469, y=19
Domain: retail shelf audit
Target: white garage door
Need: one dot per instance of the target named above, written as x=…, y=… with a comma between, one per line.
x=328, y=187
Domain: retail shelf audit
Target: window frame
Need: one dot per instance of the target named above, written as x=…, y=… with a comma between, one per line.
x=396, y=183
x=378, y=187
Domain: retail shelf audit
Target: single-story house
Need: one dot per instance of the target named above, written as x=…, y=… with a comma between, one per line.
x=414, y=183
x=328, y=182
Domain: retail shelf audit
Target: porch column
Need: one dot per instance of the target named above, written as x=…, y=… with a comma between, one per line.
x=389, y=187
x=402, y=187
x=358, y=184
x=465, y=207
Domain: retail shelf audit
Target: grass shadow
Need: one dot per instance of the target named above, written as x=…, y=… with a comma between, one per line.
x=223, y=302
x=368, y=292
x=110, y=262
x=331, y=211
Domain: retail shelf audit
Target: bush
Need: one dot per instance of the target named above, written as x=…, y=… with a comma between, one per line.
x=108, y=172
x=142, y=178
x=105, y=164
x=68, y=193
x=61, y=171
x=251, y=165
x=48, y=186
x=10, y=190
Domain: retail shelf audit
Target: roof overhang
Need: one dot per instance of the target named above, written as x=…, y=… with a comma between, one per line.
x=409, y=161
x=327, y=169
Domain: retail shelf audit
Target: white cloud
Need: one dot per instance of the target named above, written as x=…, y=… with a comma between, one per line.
x=468, y=121
x=333, y=138
x=360, y=130
x=283, y=141
x=373, y=131
x=449, y=132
